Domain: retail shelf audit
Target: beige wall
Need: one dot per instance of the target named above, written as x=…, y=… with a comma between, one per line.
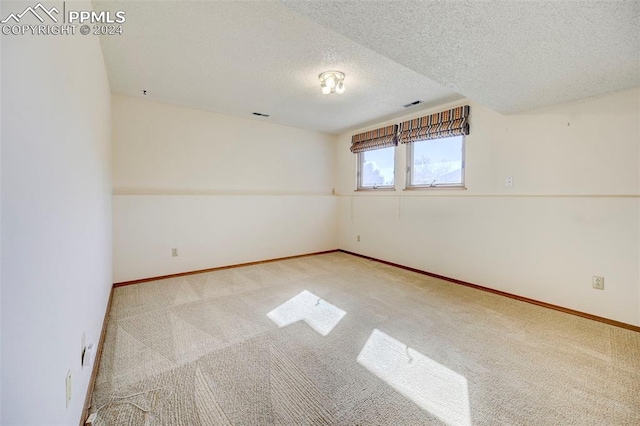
x=165, y=148
x=221, y=189
x=573, y=211
x=204, y=183
x=56, y=220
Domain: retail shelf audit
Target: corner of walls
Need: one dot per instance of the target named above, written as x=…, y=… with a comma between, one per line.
x=1, y=134
x=220, y=189
x=1, y=14
x=575, y=168
x=637, y=100
x=335, y=187
x=56, y=220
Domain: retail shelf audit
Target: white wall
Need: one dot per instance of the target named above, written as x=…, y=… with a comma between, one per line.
x=56, y=220
x=1, y=14
x=223, y=190
x=573, y=211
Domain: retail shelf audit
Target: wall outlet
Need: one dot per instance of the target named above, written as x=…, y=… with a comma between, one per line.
x=333, y=191
x=174, y=252
x=87, y=355
x=509, y=182
x=597, y=282
x=358, y=238
x=68, y=387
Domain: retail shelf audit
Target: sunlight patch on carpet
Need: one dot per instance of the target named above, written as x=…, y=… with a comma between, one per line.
x=432, y=386
x=319, y=314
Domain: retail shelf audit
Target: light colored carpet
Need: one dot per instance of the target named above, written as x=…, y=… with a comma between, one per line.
x=336, y=339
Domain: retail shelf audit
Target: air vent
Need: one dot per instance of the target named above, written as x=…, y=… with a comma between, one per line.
x=259, y=114
x=412, y=104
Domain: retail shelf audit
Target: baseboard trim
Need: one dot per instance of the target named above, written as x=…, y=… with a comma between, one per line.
x=96, y=362
x=503, y=293
x=219, y=268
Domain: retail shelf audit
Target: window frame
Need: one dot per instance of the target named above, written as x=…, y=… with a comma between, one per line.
x=409, y=170
x=360, y=187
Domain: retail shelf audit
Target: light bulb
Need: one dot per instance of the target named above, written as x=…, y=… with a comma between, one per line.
x=330, y=81
x=340, y=88
x=326, y=90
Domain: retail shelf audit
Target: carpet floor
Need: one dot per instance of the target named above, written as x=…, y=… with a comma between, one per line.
x=336, y=339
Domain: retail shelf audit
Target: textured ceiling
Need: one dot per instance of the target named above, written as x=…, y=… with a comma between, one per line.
x=509, y=55
x=238, y=58
x=241, y=57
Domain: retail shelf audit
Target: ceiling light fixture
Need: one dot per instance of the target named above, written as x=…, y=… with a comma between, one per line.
x=332, y=82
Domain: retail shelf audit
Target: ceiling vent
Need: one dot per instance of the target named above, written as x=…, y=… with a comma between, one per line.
x=414, y=103
x=259, y=114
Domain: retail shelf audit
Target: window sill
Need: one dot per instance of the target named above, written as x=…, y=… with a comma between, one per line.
x=440, y=188
x=373, y=189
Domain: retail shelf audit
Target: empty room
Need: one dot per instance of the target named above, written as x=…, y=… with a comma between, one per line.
x=320, y=212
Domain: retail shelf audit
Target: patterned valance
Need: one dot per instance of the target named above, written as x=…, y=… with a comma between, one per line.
x=375, y=139
x=452, y=122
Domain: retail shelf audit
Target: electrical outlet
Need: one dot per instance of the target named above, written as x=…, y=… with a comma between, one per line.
x=68, y=387
x=87, y=355
x=509, y=182
x=174, y=252
x=597, y=282
x=358, y=238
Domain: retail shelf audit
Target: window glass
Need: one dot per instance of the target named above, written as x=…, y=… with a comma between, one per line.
x=377, y=168
x=436, y=162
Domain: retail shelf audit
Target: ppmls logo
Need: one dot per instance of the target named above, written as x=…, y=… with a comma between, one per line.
x=34, y=11
x=101, y=22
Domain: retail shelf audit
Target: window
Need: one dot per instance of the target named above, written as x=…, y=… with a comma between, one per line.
x=376, y=168
x=435, y=148
x=436, y=163
x=376, y=157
